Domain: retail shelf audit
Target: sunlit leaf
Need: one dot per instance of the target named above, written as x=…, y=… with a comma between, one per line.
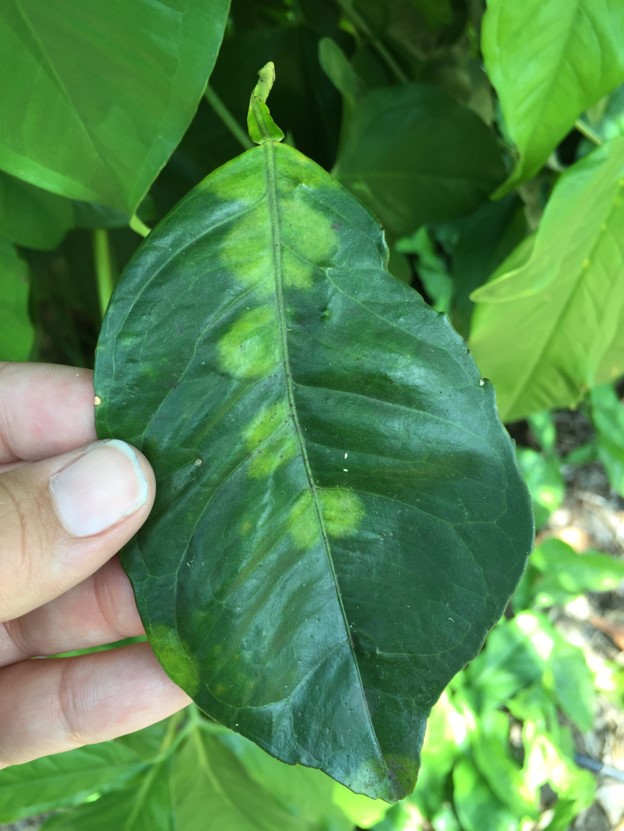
x=100, y=94
x=549, y=61
x=551, y=325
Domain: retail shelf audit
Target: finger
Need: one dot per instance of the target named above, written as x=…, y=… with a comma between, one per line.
x=45, y=410
x=49, y=706
x=98, y=611
x=63, y=518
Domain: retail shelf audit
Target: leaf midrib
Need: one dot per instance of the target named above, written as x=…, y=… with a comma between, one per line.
x=274, y=219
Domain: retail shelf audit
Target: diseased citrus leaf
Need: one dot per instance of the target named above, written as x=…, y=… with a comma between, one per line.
x=551, y=325
x=548, y=63
x=414, y=155
x=339, y=518
x=16, y=330
x=111, y=87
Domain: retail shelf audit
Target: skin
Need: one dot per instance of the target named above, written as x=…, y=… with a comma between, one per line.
x=59, y=592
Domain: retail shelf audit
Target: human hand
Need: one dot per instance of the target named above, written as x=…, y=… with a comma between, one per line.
x=67, y=506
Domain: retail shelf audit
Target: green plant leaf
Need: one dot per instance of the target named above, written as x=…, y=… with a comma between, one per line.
x=64, y=779
x=414, y=155
x=212, y=791
x=16, y=331
x=607, y=414
x=548, y=63
x=144, y=804
x=560, y=574
x=339, y=518
x=552, y=326
x=110, y=90
x=30, y=216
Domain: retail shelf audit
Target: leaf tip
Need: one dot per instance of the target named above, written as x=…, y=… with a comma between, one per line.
x=260, y=124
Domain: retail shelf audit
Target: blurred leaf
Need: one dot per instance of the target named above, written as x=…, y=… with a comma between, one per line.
x=304, y=792
x=607, y=414
x=64, y=779
x=430, y=268
x=212, y=791
x=407, y=152
x=553, y=327
x=562, y=574
x=32, y=217
x=16, y=330
x=607, y=118
x=476, y=805
x=494, y=760
x=548, y=63
x=317, y=465
x=340, y=71
x=570, y=680
x=110, y=87
x=477, y=245
x=543, y=428
x=545, y=482
x=144, y=804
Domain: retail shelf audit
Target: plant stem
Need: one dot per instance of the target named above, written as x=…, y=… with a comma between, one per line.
x=359, y=23
x=138, y=226
x=585, y=130
x=104, y=268
x=227, y=118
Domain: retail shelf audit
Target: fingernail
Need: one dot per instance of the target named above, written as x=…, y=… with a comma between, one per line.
x=99, y=489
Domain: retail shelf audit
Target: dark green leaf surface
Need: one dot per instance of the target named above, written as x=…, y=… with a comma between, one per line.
x=414, y=155
x=339, y=518
x=106, y=90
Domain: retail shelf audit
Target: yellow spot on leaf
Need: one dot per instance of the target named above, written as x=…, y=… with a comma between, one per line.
x=309, y=240
x=175, y=658
x=343, y=511
x=281, y=447
x=250, y=348
x=303, y=522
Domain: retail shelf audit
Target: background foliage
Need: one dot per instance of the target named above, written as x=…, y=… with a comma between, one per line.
x=490, y=143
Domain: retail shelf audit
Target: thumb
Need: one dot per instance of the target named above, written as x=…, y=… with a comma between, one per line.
x=63, y=518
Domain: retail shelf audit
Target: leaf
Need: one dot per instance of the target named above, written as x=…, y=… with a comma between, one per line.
x=16, y=331
x=552, y=327
x=607, y=415
x=548, y=63
x=110, y=91
x=64, y=779
x=339, y=519
x=30, y=216
x=475, y=804
x=562, y=574
x=414, y=156
x=143, y=805
x=212, y=791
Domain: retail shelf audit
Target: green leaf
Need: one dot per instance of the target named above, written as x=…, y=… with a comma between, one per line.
x=30, y=216
x=562, y=574
x=416, y=156
x=212, y=791
x=607, y=414
x=64, y=779
x=545, y=481
x=552, y=326
x=16, y=331
x=340, y=71
x=548, y=63
x=143, y=805
x=259, y=122
x=476, y=805
x=110, y=90
x=339, y=519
